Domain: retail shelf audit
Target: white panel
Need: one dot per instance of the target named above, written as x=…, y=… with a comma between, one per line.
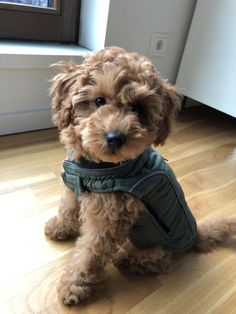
x=24, y=90
x=25, y=121
x=24, y=83
x=207, y=71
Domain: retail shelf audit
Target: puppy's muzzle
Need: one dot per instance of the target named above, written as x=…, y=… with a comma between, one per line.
x=115, y=140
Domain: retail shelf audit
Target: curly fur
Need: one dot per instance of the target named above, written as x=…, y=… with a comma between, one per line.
x=140, y=105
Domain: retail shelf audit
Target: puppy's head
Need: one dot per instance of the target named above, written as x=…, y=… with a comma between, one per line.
x=112, y=106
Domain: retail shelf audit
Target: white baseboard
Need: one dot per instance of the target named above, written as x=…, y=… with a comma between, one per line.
x=25, y=121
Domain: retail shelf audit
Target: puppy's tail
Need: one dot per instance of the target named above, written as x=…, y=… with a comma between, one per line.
x=213, y=232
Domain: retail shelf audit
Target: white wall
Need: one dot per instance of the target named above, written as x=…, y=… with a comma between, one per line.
x=131, y=23
x=93, y=23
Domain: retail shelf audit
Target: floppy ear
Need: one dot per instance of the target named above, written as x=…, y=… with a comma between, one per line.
x=60, y=89
x=171, y=100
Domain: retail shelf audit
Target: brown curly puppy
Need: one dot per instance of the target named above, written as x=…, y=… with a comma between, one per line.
x=121, y=198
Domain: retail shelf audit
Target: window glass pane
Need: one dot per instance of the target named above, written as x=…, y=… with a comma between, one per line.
x=38, y=3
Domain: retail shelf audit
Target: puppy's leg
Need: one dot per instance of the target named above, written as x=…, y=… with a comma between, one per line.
x=107, y=219
x=66, y=223
x=131, y=260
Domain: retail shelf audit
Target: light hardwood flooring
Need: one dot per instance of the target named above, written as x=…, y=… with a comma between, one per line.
x=202, y=151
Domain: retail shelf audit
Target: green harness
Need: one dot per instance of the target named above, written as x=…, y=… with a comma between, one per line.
x=166, y=221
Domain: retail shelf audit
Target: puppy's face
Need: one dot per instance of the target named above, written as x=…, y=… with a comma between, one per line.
x=112, y=106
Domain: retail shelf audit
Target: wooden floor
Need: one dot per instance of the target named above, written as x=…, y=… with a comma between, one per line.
x=202, y=151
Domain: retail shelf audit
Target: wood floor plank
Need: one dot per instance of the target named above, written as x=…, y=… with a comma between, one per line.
x=201, y=150
x=189, y=275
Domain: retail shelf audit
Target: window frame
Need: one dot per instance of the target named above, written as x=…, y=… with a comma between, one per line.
x=39, y=24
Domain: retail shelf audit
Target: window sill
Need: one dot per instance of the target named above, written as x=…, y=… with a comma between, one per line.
x=37, y=55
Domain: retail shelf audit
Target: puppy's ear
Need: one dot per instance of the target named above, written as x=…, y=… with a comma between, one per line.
x=171, y=101
x=60, y=89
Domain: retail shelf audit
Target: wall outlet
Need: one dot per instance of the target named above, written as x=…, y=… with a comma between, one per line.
x=158, y=44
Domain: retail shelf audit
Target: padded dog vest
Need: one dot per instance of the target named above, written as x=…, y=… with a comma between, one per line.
x=166, y=221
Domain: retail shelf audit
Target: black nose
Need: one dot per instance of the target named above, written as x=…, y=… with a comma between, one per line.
x=115, y=140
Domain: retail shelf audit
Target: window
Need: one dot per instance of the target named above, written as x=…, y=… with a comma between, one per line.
x=40, y=20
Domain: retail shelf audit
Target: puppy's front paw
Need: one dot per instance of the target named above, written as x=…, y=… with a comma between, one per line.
x=71, y=293
x=55, y=231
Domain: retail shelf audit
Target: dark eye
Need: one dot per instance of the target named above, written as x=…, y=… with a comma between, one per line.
x=100, y=101
x=141, y=112
x=138, y=109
